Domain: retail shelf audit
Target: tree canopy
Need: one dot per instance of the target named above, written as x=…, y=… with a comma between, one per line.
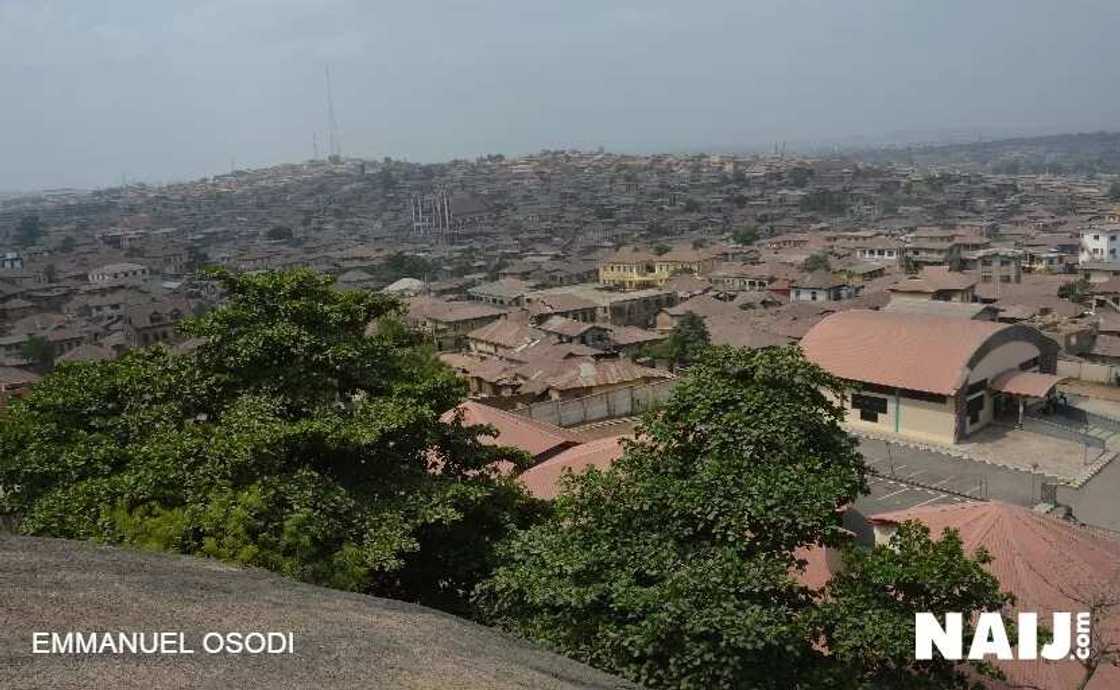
x=289, y=439
x=745, y=236
x=29, y=230
x=38, y=350
x=674, y=566
x=279, y=233
x=1075, y=290
x=866, y=618
x=677, y=566
x=816, y=262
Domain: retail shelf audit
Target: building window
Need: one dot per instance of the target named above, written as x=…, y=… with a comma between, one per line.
x=868, y=416
x=869, y=403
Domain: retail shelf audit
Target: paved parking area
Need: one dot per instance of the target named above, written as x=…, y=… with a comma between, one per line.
x=889, y=494
x=951, y=474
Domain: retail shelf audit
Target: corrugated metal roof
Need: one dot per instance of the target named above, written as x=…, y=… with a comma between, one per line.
x=923, y=353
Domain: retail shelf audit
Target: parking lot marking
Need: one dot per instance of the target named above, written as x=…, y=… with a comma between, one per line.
x=938, y=497
x=894, y=493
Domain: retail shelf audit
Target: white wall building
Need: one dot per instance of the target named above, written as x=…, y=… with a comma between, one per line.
x=119, y=273
x=1100, y=243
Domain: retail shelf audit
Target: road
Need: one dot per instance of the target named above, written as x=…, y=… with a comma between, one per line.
x=1095, y=503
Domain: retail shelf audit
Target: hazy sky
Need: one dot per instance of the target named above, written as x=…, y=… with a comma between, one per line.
x=169, y=90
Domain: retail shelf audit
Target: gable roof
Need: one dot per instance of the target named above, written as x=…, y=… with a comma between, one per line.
x=543, y=480
x=530, y=435
x=1042, y=560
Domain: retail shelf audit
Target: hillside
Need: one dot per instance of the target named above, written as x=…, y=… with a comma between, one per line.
x=1091, y=152
x=341, y=639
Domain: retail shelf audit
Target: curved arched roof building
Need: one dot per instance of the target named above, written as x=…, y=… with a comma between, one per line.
x=931, y=378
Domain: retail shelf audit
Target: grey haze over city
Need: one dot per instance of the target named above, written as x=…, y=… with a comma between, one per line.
x=161, y=91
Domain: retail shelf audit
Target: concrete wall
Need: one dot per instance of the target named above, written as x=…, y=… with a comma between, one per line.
x=620, y=402
x=916, y=419
x=1089, y=371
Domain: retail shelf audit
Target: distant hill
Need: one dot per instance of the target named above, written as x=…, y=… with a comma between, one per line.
x=1096, y=152
x=341, y=639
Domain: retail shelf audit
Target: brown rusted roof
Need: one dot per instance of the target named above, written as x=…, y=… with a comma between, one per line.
x=530, y=435
x=923, y=353
x=1045, y=562
x=934, y=278
x=543, y=480
x=1028, y=383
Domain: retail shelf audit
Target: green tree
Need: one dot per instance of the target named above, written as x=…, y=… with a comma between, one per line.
x=1114, y=191
x=746, y=236
x=1075, y=290
x=816, y=262
x=289, y=440
x=279, y=233
x=687, y=341
x=38, y=350
x=68, y=244
x=29, y=230
x=800, y=176
x=674, y=566
x=866, y=618
x=661, y=249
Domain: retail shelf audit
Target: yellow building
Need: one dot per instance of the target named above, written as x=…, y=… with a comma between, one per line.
x=634, y=268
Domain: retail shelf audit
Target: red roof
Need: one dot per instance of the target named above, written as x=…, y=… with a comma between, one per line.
x=916, y=352
x=1026, y=383
x=543, y=480
x=1045, y=562
x=532, y=436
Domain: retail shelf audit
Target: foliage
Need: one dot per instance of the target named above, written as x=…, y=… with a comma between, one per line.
x=866, y=619
x=799, y=177
x=816, y=262
x=1075, y=290
x=279, y=232
x=401, y=265
x=289, y=440
x=661, y=249
x=673, y=567
x=28, y=231
x=686, y=342
x=691, y=205
x=825, y=201
x=38, y=350
x=746, y=236
x=1114, y=191
x=68, y=244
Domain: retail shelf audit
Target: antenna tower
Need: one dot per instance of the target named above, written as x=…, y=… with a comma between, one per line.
x=335, y=152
